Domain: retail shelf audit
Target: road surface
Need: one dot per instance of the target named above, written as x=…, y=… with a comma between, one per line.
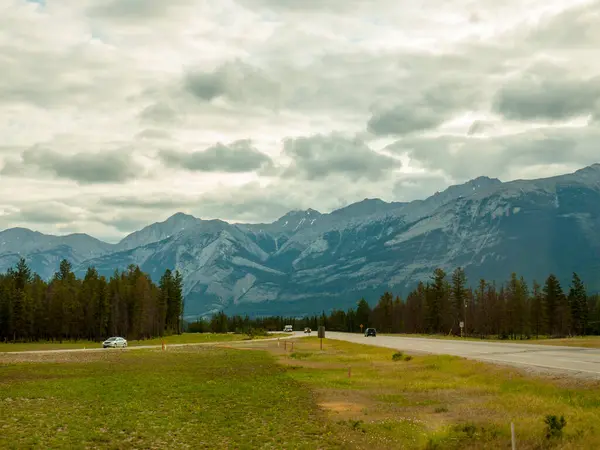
x=560, y=360
x=141, y=347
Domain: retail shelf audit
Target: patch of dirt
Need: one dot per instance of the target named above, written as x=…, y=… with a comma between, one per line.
x=64, y=357
x=341, y=407
x=58, y=357
x=287, y=361
x=343, y=404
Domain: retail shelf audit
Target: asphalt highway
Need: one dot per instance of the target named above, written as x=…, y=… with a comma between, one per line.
x=563, y=360
x=554, y=359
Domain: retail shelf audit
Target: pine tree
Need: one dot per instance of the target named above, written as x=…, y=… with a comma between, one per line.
x=437, y=294
x=178, y=301
x=165, y=304
x=483, y=315
x=537, y=312
x=383, y=313
x=22, y=275
x=398, y=315
x=556, y=307
x=415, y=307
x=351, y=325
x=363, y=313
x=516, y=307
x=102, y=310
x=578, y=305
x=459, y=297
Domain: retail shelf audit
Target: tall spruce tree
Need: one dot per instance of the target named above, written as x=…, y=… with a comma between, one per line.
x=556, y=307
x=537, y=313
x=437, y=296
x=459, y=297
x=363, y=313
x=578, y=305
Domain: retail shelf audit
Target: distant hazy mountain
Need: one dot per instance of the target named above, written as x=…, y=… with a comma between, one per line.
x=44, y=252
x=306, y=261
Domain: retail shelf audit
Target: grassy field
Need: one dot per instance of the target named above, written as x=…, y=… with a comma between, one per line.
x=577, y=341
x=261, y=394
x=440, y=402
x=185, y=338
x=186, y=397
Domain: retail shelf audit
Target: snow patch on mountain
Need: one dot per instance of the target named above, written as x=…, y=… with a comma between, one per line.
x=238, y=261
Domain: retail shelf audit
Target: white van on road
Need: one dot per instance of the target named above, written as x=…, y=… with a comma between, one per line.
x=288, y=329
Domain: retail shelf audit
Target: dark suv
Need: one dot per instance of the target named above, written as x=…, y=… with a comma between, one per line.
x=370, y=332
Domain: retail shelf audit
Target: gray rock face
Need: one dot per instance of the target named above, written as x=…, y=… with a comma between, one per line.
x=306, y=261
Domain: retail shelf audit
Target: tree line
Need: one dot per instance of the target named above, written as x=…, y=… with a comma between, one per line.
x=510, y=310
x=127, y=304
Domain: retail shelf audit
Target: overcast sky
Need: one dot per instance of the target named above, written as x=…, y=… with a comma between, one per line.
x=118, y=113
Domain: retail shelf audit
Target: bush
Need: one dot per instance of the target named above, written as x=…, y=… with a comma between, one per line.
x=356, y=425
x=252, y=332
x=301, y=355
x=441, y=409
x=554, y=426
x=398, y=356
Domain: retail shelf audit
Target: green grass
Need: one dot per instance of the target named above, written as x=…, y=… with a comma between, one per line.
x=185, y=338
x=216, y=397
x=441, y=402
x=190, y=397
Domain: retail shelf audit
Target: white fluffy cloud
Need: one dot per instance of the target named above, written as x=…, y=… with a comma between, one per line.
x=115, y=113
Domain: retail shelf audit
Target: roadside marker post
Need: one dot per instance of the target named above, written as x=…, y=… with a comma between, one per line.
x=163, y=344
x=512, y=436
x=285, y=345
x=321, y=335
x=292, y=346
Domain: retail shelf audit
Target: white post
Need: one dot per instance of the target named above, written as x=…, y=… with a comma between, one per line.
x=512, y=436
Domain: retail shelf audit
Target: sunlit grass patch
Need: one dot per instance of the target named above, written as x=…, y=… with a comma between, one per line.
x=442, y=402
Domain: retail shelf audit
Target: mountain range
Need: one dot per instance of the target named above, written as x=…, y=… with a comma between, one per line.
x=306, y=261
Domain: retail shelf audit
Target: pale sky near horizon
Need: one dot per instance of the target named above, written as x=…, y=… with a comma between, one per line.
x=118, y=113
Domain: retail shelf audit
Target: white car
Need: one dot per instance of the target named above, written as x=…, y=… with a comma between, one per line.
x=114, y=342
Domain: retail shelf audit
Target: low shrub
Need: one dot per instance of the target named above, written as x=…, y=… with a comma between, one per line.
x=554, y=426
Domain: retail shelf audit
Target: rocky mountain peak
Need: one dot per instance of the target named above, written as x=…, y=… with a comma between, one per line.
x=296, y=219
x=159, y=231
x=307, y=261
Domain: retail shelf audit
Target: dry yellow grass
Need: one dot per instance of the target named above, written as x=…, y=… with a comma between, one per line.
x=439, y=402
